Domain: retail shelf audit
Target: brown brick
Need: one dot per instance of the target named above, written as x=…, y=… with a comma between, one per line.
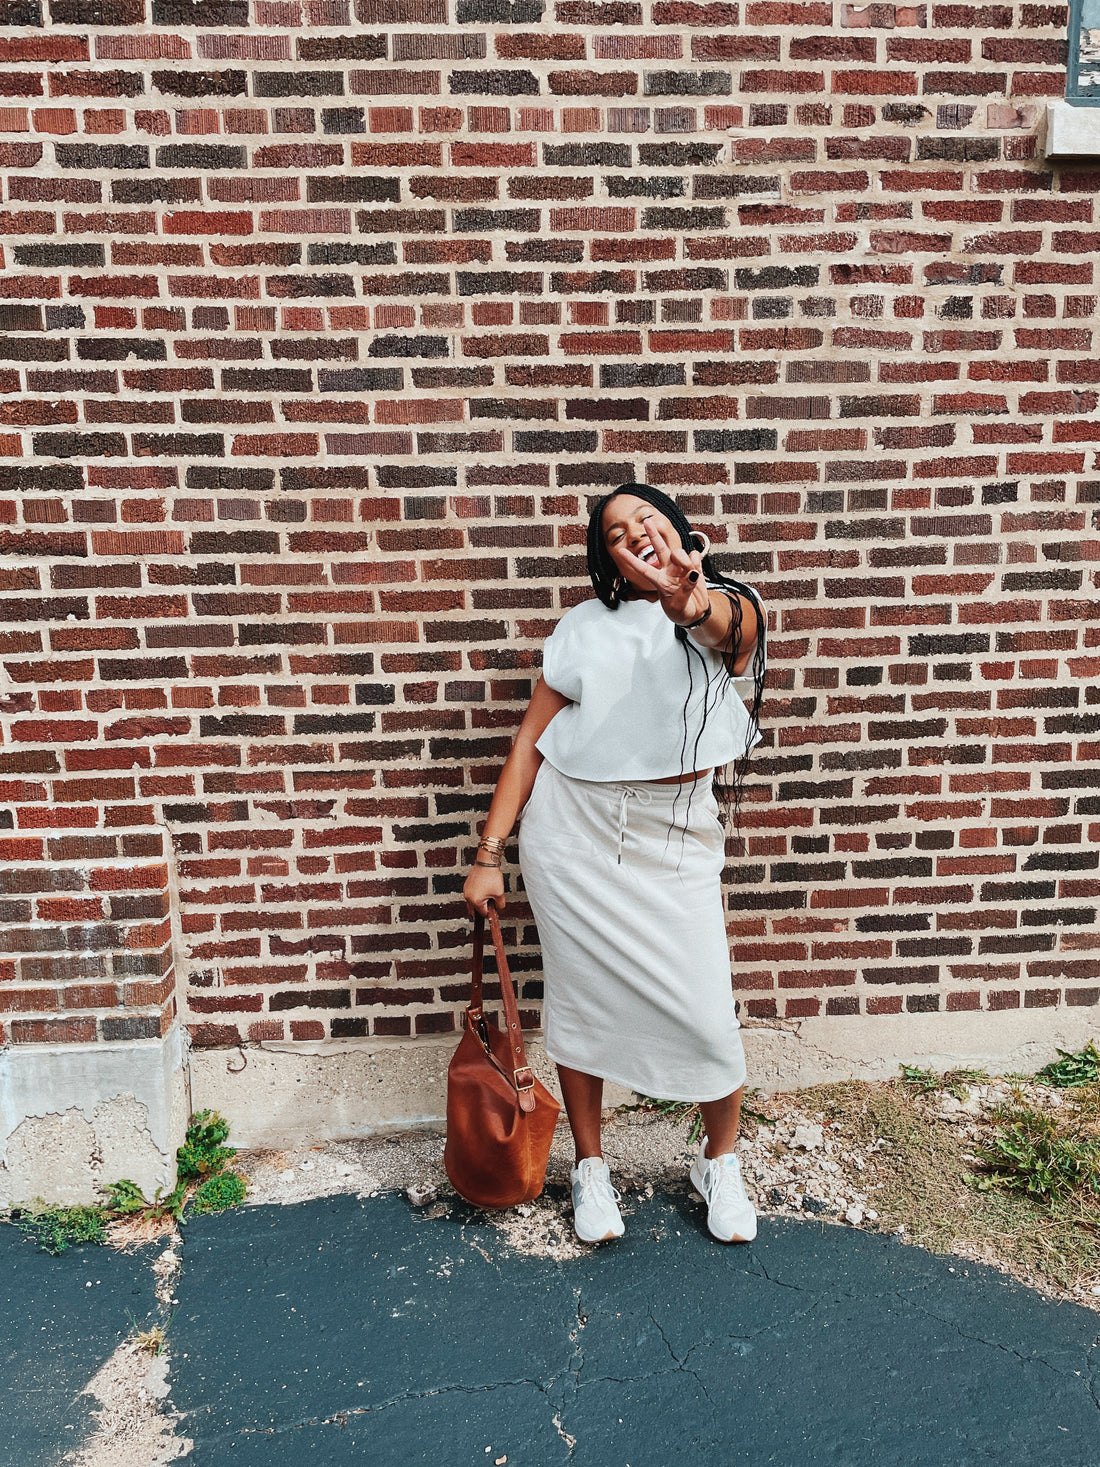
x=52, y=1031
x=897, y=83
x=780, y=82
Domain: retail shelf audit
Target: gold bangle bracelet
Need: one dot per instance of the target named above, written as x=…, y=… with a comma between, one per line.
x=489, y=865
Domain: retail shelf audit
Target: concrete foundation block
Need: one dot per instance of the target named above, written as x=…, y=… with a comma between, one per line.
x=864, y=1047
x=75, y=1117
x=290, y=1095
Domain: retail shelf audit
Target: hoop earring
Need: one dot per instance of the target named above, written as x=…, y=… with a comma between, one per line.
x=705, y=547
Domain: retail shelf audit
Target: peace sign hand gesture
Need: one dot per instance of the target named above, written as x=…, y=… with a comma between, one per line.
x=675, y=575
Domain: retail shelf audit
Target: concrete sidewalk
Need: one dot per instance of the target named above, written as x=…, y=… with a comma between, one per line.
x=364, y=1331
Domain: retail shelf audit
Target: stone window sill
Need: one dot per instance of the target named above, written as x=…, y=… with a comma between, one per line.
x=1072, y=132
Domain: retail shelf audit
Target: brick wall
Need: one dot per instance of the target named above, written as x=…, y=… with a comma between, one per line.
x=321, y=324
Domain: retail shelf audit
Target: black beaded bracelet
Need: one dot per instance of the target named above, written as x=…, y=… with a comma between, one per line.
x=691, y=625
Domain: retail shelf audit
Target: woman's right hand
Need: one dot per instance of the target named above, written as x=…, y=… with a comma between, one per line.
x=484, y=884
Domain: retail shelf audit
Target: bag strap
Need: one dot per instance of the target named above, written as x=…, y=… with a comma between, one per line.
x=522, y=1076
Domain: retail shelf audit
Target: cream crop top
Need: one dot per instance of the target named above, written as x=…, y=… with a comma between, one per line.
x=627, y=677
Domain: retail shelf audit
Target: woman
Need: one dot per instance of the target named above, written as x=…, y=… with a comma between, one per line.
x=621, y=847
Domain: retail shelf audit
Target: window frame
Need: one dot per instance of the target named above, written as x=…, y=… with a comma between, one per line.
x=1074, y=96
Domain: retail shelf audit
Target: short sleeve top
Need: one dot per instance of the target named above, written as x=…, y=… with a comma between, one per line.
x=643, y=705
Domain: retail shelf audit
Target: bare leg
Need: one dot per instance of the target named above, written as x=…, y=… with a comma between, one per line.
x=722, y=1118
x=583, y=1096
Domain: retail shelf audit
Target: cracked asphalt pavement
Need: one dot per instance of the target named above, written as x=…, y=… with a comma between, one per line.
x=347, y=1330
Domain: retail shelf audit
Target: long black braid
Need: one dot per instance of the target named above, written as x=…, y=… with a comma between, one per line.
x=608, y=588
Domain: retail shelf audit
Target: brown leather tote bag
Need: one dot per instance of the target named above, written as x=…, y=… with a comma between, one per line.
x=500, y=1118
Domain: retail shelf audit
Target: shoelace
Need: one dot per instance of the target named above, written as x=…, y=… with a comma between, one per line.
x=725, y=1178
x=594, y=1185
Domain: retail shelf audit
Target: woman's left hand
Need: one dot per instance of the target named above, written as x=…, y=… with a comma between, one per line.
x=677, y=578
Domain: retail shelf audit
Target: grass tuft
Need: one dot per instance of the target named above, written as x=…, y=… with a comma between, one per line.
x=1048, y=1156
x=955, y=1082
x=925, y=1181
x=152, y=1340
x=673, y=1110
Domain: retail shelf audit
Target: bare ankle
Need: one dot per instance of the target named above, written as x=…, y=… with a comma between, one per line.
x=711, y=1149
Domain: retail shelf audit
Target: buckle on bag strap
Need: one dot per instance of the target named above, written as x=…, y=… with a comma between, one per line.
x=524, y=1070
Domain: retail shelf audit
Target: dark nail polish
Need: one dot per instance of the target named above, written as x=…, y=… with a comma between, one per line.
x=693, y=577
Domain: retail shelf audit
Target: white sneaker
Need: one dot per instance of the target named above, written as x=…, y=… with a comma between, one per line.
x=596, y=1216
x=731, y=1217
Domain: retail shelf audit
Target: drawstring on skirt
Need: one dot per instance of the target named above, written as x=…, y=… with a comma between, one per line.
x=627, y=793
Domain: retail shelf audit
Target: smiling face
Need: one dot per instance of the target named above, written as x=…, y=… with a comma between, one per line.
x=626, y=519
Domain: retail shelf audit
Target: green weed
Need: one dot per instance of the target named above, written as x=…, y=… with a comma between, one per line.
x=224, y=1189
x=54, y=1229
x=203, y=1183
x=173, y=1204
x=1082, y=1068
x=124, y=1197
x=202, y=1152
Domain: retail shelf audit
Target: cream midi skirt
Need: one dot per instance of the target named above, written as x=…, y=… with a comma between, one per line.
x=624, y=880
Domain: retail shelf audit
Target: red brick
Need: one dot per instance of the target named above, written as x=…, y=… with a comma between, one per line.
x=788, y=12
x=44, y=48
x=965, y=211
x=917, y=180
x=208, y=222
x=923, y=50
x=493, y=155
x=397, y=155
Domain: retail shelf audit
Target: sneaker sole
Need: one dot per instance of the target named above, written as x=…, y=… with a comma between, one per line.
x=612, y=1233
